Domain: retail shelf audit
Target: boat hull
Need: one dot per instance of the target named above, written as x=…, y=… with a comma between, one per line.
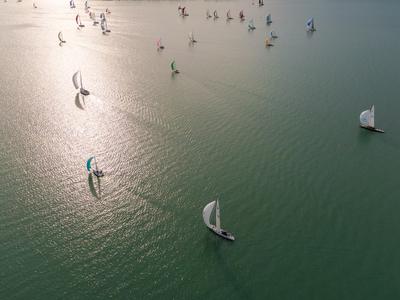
x=98, y=173
x=84, y=92
x=222, y=233
x=372, y=129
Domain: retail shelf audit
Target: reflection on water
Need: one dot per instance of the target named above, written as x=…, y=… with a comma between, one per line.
x=78, y=101
x=275, y=131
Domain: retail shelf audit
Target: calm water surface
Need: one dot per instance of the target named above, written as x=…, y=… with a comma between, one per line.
x=312, y=199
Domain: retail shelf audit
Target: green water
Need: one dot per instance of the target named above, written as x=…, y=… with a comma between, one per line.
x=311, y=198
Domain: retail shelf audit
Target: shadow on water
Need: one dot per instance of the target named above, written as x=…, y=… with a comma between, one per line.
x=219, y=247
x=92, y=187
x=78, y=101
x=365, y=136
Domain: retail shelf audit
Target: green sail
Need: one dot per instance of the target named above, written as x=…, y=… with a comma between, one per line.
x=89, y=164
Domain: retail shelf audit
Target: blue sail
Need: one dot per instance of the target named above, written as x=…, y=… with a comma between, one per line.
x=89, y=164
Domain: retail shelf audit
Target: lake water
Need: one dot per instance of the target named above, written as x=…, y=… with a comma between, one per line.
x=312, y=199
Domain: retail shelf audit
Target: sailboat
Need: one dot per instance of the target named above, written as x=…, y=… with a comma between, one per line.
x=251, y=25
x=108, y=11
x=367, y=120
x=87, y=5
x=273, y=35
x=183, y=11
x=215, y=14
x=268, y=43
x=173, y=67
x=268, y=19
x=34, y=4
x=241, y=15
x=78, y=21
x=228, y=15
x=260, y=2
x=159, y=45
x=78, y=83
x=310, y=25
x=61, y=37
x=96, y=171
x=104, y=26
x=191, y=38
x=208, y=15
x=72, y=4
x=92, y=16
x=207, y=211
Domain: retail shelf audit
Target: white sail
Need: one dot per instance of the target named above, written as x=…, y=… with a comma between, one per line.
x=95, y=164
x=217, y=217
x=75, y=80
x=364, y=118
x=207, y=213
x=371, y=121
x=367, y=117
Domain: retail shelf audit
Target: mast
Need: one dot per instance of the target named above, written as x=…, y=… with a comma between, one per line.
x=217, y=217
x=80, y=76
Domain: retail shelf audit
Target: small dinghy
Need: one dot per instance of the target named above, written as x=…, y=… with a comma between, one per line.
x=173, y=67
x=251, y=25
x=103, y=25
x=215, y=14
x=228, y=15
x=61, y=37
x=95, y=170
x=367, y=120
x=159, y=45
x=273, y=35
x=182, y=11
x=207, y=211
x=191, y=38
x=79, y=22
x=92, y=16
x=241, y=15
x=268, y=19
x=268, y=43
x=78, y=83
x=208, y=15
x=310, y=26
